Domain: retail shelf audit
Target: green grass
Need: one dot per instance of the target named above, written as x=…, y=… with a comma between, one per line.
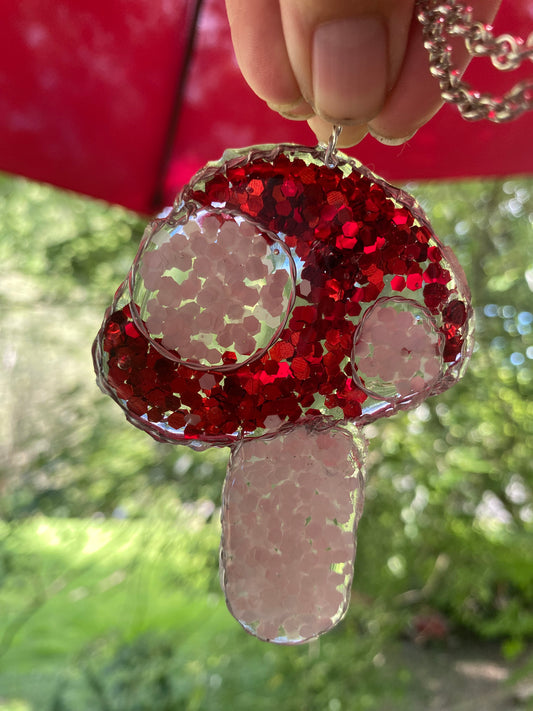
x=78, y=580
x=104, y=610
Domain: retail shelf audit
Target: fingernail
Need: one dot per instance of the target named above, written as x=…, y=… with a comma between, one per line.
x=298, y=111
x=390, y=141
x=350, y=68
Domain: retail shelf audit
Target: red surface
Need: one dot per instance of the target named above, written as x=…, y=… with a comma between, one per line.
x=89, y=94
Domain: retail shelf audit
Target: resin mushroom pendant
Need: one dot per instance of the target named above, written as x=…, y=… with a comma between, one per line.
x=287, y=299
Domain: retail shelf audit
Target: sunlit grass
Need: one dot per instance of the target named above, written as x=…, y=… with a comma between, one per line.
x=78, y=580
x=148, y=592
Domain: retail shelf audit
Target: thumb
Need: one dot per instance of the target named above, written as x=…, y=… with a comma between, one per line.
x=346, y=55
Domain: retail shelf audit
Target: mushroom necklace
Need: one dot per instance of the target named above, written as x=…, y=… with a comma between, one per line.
x=286, y=300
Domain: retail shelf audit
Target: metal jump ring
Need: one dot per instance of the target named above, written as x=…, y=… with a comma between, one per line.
x=329, y=157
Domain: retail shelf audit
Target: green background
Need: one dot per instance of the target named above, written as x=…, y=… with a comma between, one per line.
x=109, y=594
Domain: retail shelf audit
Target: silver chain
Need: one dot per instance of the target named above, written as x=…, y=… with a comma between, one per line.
x=441, y=21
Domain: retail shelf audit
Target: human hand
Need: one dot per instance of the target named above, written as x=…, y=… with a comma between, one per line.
x=357, y=63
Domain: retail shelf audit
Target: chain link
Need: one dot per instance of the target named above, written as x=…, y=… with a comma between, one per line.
x=440, y=21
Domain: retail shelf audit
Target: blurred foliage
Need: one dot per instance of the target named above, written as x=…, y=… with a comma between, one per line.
x=69, y=248
x=448, y=520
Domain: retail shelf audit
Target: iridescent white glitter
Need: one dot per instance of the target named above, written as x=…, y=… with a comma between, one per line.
x=396, y=350
x=290, y=511
x=215, y=284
